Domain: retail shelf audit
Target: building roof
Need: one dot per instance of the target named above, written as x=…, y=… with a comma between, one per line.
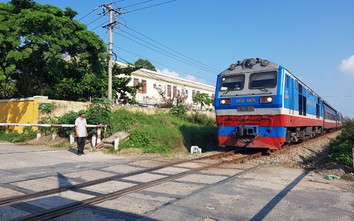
x=162, y=77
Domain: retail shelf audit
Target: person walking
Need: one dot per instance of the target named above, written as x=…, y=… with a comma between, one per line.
x=81, y=132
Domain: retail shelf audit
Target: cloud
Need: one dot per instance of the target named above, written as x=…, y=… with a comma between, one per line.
x=347, y=65
x=191, y=78
x=166, y=71
x=188, y=77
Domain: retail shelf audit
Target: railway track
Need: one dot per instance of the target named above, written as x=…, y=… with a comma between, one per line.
x=203, y=163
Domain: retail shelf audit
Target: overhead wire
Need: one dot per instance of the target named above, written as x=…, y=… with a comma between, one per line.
x=169, y=52
x=86, y=15
x=176, y=57
x=157, y=78
x=163, y=53
x=95, y=20
x=172, y=49
x=151, y=6
x=140, y=3
x=99, y=26
x=157, y=62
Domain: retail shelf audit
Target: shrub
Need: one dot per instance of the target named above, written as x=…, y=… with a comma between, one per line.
x=340, y=149
x=201, y=119
x=45, y=108
x=179, y=111
x=68, y=118
x=341, y=153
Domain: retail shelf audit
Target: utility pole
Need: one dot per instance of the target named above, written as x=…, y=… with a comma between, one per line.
x=113, y=13
x=110, y=45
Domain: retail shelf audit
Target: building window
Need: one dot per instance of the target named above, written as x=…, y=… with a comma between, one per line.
x=174, y=91
x=168, y=90
x=143, y=88
x=136, y=81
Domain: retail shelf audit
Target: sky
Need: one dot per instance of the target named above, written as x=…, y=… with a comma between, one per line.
x=197, y=39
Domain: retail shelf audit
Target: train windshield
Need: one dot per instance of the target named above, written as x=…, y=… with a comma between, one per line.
x=263, y=80
x=232, y=83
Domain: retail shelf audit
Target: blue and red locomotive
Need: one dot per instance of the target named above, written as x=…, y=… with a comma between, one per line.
x=261, y=104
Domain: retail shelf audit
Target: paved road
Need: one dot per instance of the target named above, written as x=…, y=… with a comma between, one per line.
x=233, y=192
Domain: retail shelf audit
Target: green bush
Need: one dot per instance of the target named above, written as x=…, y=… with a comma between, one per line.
x=68, y=118
x=340, y=149
x=45, y=108
x=48, y=130
x=99, y=111
x=201, y=119
x=341, y=153
x=179, y=111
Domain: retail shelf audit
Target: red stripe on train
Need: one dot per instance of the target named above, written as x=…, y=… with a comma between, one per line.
x=272, y=120
x=258, y=142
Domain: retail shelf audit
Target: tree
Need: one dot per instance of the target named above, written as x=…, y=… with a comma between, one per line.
x=141, y=63
x=177, y=99
x=203, y=99
x=8, y=41
x=45, y=52
x=121, y=90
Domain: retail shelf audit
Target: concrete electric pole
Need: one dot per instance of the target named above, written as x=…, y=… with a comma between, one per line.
x=113, y=13
x=110, y=45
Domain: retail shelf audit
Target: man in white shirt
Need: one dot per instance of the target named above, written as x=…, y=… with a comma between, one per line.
x=81, y=132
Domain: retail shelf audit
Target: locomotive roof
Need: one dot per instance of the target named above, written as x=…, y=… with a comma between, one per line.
x=258, y=64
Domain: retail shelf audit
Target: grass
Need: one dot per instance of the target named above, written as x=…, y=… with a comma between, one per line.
x=161, y=133
x=16, y=137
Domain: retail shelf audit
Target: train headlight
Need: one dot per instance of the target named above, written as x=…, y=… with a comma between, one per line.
x=232, y=67
x=264, y=63
x=266, y=100
x=225, y=101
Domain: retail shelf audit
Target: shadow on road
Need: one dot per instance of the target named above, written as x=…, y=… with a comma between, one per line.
x=271, y=204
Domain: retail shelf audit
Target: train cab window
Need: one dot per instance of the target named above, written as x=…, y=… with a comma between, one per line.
x=263, y=80
x=232, y=83
x=287, y=81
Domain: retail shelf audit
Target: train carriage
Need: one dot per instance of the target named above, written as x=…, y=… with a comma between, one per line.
x=259, y=103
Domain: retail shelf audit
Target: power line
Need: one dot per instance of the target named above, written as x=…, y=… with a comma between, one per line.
x=86, y=15
x=140, y=3
x=157, y=62
x=101, y=25
x=179, y=58
x=172, y=49
x=339, y=96
x=151, y=6
x=166, y=54
x=95, y=20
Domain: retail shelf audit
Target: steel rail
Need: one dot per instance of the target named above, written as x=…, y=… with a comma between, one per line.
x=13, y=200
x=52, y=213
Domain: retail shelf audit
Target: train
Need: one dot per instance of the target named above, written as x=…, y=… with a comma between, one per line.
x=260, y=104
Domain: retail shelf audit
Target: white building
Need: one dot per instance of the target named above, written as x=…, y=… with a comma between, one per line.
x=159, y=87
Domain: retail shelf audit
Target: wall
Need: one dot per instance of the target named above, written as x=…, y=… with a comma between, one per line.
x=61, y=107
x=19, y=111
x=25, y=110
